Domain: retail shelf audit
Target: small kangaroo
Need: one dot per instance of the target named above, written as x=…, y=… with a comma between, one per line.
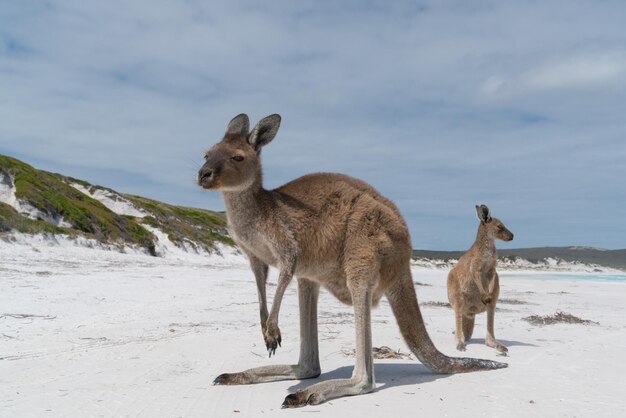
x=325, y=229
x=473, y=284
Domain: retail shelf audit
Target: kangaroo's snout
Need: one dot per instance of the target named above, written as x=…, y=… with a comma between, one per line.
x=206, y=177
x=507, y=235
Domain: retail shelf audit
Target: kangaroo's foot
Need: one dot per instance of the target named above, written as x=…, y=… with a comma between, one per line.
x=233, y=379
x=461, y=346
x=493, y=343
x=301, y=398
x=270, y=374
x=272, y=337
x=330, y=389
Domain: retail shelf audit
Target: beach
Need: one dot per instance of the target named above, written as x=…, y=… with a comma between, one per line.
x=94, y=333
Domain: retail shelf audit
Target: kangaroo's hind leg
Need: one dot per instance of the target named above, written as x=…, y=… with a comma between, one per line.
x=458, y=332
x=468, y=326
x=491, y=339
x=362, y=380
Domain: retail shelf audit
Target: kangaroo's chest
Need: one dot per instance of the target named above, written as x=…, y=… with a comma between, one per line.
x=254, y=241
x=479, y=279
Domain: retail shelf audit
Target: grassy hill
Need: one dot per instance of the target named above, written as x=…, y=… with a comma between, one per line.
x=49, y=202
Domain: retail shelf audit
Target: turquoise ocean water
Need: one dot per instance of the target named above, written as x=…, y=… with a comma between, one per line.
x=582, y=276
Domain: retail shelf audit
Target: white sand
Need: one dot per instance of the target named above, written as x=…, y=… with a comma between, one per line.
x=118, y=335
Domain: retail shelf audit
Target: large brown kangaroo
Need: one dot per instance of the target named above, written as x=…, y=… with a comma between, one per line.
x=474, y=285
x=326, y=229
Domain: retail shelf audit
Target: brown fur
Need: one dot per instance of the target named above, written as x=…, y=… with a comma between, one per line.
x=326, y=229
x=474, y=285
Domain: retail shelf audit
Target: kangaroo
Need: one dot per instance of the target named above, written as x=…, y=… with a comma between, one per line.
x=474, y=285
x=325, y=229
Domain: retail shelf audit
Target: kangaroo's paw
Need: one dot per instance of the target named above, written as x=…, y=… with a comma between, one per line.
x=272, y=339
x=461, y=346
x=301, y=398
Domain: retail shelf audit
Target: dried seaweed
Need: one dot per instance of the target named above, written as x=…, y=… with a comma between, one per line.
x=381, y=353
x=436, y=304
x=421, y=284
x=506, y=301
x=558, y=318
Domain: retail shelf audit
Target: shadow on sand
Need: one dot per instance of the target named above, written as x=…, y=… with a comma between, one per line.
x=388, y=375
x=508, y=343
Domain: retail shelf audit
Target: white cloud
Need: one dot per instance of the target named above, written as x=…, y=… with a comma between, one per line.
x=582, y=71
x=570, y=73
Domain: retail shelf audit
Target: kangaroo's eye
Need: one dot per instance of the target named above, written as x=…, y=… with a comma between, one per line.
x=238, y=158
x=500, y=228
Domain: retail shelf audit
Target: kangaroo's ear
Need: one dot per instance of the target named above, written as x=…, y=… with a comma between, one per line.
x=484, y=214
x=239, y=125
x=264, y=131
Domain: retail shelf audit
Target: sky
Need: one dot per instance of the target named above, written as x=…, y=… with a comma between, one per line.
x=440, y=105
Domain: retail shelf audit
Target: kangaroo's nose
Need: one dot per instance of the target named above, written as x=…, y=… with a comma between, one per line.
x=205, y=175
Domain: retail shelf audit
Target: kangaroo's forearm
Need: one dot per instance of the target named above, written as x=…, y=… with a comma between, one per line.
x=271, y=332
x=260, y=270
x=284, y=279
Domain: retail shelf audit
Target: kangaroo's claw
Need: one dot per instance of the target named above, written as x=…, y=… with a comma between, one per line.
x=273, y=339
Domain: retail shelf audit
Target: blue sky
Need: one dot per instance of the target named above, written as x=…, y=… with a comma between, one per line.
x=439, y=104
